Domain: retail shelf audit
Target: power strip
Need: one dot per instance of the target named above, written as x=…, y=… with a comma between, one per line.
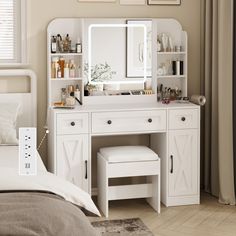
x=27, y=151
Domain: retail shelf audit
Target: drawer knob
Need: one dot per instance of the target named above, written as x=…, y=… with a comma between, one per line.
x=109, y=122
x=150, y=120
x=183, y=118
x=72, y=123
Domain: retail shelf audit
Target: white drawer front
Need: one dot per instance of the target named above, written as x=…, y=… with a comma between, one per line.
x=73, y=123
x=183, y=119
x=134, y=121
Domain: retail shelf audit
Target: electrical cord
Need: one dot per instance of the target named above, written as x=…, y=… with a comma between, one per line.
x=42, y=140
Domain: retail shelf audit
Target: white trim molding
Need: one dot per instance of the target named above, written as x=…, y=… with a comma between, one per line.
x=164, y=2
x=132, y=2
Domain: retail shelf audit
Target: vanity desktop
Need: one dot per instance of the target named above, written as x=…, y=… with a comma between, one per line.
x=174, y=128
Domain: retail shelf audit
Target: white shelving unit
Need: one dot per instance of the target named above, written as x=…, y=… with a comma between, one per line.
x=172, y=28
x=63, y=26
x=76, y=27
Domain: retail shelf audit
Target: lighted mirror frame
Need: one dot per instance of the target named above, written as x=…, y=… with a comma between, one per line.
x=92, y=26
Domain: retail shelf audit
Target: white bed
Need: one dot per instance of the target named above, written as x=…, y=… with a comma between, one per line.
x=9, y=158
x=13, y=184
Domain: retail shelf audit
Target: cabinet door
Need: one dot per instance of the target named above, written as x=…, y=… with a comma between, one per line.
x=183, y=163
x=72, y=159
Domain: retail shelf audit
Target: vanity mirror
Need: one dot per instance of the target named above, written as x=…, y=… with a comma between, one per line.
x=116, y=57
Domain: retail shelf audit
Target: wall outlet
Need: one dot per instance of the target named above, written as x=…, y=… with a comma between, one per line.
x=27, y=151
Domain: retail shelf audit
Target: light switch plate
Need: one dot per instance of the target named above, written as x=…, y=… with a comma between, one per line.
x=27, y=151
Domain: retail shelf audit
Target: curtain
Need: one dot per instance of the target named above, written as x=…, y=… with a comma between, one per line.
x=218, y=83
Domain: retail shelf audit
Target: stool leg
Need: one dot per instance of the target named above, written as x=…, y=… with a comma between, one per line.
x=102, y=180
x=154, y=201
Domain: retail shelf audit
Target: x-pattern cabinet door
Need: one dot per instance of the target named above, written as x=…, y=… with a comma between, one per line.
x=72, y=159
x=183, y=162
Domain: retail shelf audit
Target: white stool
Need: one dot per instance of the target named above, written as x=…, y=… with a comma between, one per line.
x=128, y=161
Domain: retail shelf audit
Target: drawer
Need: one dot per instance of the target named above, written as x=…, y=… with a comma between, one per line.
x=133, y=121
x=73, y=123
x=183, y=119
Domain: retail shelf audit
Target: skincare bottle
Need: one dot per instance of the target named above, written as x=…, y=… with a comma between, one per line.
x=62, y=65
x=59, y=72
x=72, y=70
x=79, y=71
x=77, y=92
x=66, y=71
x=78, y=46
x=63, y=95
x=67, y=43
x=158, y=45
x=53, y=44
x=59, y=43
x=54, y=67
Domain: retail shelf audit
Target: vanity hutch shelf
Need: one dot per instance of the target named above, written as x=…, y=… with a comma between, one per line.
x=64, y=26
x=173, y=29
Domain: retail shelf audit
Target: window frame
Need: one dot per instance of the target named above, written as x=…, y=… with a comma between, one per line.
x=21, y=58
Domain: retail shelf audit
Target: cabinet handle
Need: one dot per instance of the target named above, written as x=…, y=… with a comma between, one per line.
x=72, y=123
x=172, y=164
x=109, y=122
x=183, y=118
x=150, y=120
x=86, y=169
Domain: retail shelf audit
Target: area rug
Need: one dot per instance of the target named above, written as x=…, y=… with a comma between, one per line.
x=124, y=227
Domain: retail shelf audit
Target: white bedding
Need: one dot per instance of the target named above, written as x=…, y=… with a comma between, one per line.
x=9, y=158
x=10, y=180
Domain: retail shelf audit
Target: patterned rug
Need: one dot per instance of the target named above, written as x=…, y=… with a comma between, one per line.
x=125, y=227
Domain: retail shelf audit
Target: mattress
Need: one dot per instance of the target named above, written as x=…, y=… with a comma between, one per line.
x=9, y=158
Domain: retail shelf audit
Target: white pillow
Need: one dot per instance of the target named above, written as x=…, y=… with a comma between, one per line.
x=8, y=117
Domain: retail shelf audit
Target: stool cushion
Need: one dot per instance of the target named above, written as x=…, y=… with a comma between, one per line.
x=128, y=154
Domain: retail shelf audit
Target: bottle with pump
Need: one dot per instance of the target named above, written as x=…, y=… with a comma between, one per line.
x=78, y=46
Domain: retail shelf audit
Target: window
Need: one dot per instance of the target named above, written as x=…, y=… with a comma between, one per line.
x=12, y=32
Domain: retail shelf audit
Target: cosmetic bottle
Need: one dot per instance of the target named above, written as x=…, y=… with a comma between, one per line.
x=66, y=71
x=177, y=67
x=59, y=43
x=77, y=92
x=63, y=95
x=54, y=67
x=62, y=65
x=59, y=72
x=158, y=45
x=78, y=46
x=79, y=72
x=67, y=43
x=72, y=69
x=181, y=67
x=53, y=44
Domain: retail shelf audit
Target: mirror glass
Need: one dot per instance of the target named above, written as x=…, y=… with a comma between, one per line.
x=119, y=52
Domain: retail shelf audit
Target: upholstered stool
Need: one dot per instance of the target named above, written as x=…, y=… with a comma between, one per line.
x=128, y=161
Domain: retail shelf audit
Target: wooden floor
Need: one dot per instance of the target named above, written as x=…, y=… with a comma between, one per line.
x=207, y=219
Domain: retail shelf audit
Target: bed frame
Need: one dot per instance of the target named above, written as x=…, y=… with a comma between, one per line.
x=28, y=100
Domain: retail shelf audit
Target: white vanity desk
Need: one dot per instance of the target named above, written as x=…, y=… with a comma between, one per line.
x=175, y=135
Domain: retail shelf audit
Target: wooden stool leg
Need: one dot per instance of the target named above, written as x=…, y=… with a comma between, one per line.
x=102, y=181
x=154, y=201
